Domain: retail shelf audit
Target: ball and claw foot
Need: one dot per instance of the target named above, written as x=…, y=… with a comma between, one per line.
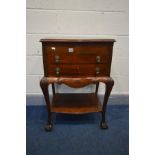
x=103, y=125
x=48, y=127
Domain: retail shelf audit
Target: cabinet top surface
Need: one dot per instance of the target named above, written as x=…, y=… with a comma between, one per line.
x=77, y=40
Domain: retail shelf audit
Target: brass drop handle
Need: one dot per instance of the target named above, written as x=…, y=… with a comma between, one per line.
x=98, y=59
x=97, y=70
x=57, y=59
x=57, y=70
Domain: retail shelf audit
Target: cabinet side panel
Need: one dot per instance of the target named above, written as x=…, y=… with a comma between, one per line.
x=110, y=52
x=45, y=58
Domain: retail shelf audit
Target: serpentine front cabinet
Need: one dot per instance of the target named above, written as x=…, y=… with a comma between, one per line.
x=76, y=63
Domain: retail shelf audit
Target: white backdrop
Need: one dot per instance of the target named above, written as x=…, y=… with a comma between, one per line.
x=77, y=19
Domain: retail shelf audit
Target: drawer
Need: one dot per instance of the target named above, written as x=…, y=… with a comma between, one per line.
x=61, y=48
x=85, y=70
x=76, y=59
x=78, y=49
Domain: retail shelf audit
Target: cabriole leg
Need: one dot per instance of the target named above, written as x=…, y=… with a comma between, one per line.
x=109, y=84
x=44, y=86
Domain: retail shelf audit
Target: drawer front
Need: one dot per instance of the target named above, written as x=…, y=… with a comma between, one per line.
x=92, y=50
x=76, y=59
x=61, y=48
x=85, y=70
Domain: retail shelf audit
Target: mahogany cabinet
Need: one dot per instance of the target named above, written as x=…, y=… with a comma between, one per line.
x=76, y=63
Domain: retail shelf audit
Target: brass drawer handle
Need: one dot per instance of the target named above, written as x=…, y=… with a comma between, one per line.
x=57, y=59
x=57, y=70
x=98, y=59
x=97, y=70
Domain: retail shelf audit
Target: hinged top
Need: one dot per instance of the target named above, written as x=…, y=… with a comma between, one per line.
x=77, y=40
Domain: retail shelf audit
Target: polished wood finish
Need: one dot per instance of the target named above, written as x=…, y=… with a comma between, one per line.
x=83, y=70
x=85, y=54
x=76, y=103
x=76, y=63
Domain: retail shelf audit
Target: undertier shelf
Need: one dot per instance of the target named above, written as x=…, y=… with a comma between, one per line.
x=79, y=103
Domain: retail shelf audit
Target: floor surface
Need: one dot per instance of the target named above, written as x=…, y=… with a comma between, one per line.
x=78, y=135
